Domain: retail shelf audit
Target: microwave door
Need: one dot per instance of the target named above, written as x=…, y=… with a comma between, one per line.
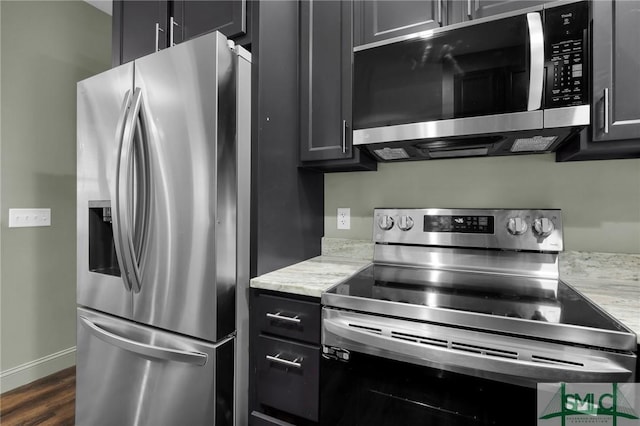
x=474, y=79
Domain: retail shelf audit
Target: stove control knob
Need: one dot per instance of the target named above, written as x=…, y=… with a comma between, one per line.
x=406, y=223
x=385, y=222
x=517, y=226
x=543, y=226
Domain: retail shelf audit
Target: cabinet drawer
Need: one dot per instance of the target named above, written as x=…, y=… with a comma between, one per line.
x=295, y=319
x=288, y=376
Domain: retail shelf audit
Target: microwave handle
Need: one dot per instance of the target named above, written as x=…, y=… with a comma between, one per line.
x=536, y=63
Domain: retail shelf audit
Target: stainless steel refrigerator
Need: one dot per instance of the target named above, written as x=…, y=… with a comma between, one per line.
x=163, y=247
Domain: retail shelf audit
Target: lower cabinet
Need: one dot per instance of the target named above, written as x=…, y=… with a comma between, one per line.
x=285, y=355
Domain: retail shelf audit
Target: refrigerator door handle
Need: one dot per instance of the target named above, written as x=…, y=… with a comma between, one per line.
x=123, y=195
x=158, y=352
x=117, y=232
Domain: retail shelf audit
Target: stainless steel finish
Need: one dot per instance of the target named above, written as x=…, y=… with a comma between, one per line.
x=344, y=136
x=567, y=116
x=517, y=226
x=243, y=177
x=605, y=128
x=543, y=226
x=277, y=359
x=527, y=120
x=501, y=239
x=101, y=110
x=536, y=62
x=385, y=222
x=505, y=358
x=117, y=386
x=278, y=316
x=190, y=262
x=152, y=351
x=243, y=19
x=440, y=11
x=434, y=32
x=117, y=232
x=469, y=15
x=489, y=323
x=158, y=31
x=123, y=199
x=542, y=266
x=172, y=23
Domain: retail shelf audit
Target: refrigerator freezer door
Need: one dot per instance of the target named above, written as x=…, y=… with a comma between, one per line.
x=188, y=268
x=129, y=374
x=102, y=106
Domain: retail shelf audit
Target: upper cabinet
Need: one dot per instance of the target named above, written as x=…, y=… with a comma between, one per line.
x=385, y=19
x=325, y=88
x=615, y=121
x=465, y=10
x=139, y=28
x=616, y=70
x=143, y=27
x=376, y=20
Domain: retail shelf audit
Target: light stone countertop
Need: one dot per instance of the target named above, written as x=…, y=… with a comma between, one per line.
x=610, y=280
x=311, y=277
x=619, y=298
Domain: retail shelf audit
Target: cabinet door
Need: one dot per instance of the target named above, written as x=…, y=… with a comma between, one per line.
x=193, y=18
x=139, y=28
x=616, y=70
x=325, y=80
x=385, y=19
x=476, y=9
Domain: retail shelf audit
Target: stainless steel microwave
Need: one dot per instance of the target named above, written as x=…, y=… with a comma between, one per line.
x=510, y=84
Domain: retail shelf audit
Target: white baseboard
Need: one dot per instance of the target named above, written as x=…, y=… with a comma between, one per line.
x=37, y=369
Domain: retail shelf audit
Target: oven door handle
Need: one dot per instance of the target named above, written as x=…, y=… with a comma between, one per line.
x=349, y=331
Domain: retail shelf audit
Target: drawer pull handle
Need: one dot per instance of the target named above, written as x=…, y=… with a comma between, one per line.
x=286, y=362
x=279, y=316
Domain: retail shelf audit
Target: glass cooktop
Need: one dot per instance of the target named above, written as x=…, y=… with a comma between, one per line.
x=531, y=299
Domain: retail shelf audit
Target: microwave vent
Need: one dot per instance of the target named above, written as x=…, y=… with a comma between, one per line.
x=533, y=144
x=453, y=153
x=392, y=153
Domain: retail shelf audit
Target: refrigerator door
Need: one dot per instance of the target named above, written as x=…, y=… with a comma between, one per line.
x=129, y=374
x=102, y=103
x=188, y=265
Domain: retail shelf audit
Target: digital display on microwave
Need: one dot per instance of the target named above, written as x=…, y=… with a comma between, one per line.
x=459, y=224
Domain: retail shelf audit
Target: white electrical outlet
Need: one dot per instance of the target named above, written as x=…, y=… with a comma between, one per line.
x=344, y=218
x=22, y=218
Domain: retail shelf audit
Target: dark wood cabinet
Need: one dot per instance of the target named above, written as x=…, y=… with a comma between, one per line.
x=198, y=17
x=615, y=105
x=141, y=27
x=616, y=70
x=285, y=358
x=325, y=88
x=384, y=19
x=460, y=11
x=138, y=28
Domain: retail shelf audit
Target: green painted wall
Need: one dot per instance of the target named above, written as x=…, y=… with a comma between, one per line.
x=46, y=47
x=600, y=200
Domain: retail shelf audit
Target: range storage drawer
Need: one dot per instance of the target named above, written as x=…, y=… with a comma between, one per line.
x=294, y=319
x=288, y=376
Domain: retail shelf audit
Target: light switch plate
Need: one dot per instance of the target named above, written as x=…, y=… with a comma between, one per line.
x=22, y=218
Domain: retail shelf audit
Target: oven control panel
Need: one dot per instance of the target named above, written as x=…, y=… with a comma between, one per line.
x=507, y=229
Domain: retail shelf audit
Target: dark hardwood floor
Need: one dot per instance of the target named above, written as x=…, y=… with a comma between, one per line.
x=48, y=401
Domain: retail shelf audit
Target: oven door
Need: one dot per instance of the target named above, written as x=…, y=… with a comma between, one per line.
x=377, y=391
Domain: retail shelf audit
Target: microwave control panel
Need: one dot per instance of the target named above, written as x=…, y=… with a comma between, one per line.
x=566, y=51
